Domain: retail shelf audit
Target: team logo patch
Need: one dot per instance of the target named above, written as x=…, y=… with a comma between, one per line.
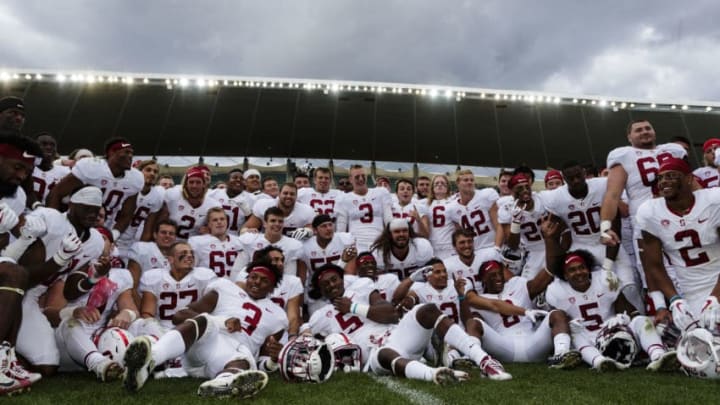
x=166, y=286
x=572, y=300
x=181, y=207
x=571, y=206
x=329, y=314
x=103, y=182
x=153, y=260
x=665, y=223
x=212, y=246
x=355, y=202
x=682, y=222
x=429, y=297
x=312, y=254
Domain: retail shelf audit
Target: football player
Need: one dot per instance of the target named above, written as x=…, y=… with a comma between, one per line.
x=475, y=210
x=218, y=249
x=707, y=176
x=553, y=180
x=235, y=200
x=465, y=263
x=188, y=204
x=297, y=217
x=441, y=228
x=46, y=175
x=406, y=208
x=322, y=198
x=398, y=251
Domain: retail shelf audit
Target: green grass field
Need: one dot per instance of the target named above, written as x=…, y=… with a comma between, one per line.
x=532, y=383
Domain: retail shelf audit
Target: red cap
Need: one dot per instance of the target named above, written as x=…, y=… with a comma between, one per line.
x=553, y=175
x=489, y=266
x=195, y=172
x=710, y=143
x=675, y=164
x=518, y=179
x=573, y=258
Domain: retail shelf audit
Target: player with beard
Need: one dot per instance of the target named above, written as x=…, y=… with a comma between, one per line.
x=188, y=204
x=148, y=204
x=398, y=251
x=429, y=284
x=12, y=115
x=301, y=180
x=441, y=228
x=707, y=176
x=144, y=256
x=297, y=217
x=236, y=202
x=406, y=208
x=113, y=175
x=218, y=249
x=221, y=336
x=321, y=198
x=366, y=267
x=364, y=212
x=466, y=262
x=475, y=210
x=46, y=175
x=422, y=188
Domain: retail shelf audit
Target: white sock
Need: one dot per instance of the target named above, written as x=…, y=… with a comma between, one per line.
x=79, y=345
x=644, y=328
x=418, y=371
x=561, y=341
x=466, y=344
x=170, y=346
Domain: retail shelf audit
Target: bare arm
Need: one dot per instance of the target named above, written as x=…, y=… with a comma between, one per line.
x=205, y=304
x=293, y=313
x=148, y=305
x=499, y=306
x=617, y=178
x=62, y=189
x=125, y=215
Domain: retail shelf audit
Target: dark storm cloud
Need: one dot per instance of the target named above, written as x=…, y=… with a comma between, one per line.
x=647, y=49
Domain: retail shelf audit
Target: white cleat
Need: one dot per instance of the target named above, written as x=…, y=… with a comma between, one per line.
x=607, y=364
x=667, y=362
x=446, y=376
x=138, y=363
x=19, y=372
x=493, y=370
x=244, y=384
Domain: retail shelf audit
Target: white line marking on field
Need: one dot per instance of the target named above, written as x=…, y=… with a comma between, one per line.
x=415, y=397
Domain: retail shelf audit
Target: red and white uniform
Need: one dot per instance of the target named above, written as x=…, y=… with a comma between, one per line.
x=364, y=215
x=290, y=287
x=36, y=340
x=592, y=307
x=322, y=203
x=385, y=284
x=213, y=253
x=707, y=176
x=145, y=205
x=515, y=338
x=641, y=166
x=252, y=242
x=189, y=219
x=476, y=216
x=690, y=241
x=148, y=256
x=530, y=236
x=445, y=299
x=441, y=228
x=44, y=181
x=234, y=207
x=300, y=215
x=96, y=172
x=405, y=212
x=419, y=253
x=457, y=269
x=173, y=295
x=315, y=256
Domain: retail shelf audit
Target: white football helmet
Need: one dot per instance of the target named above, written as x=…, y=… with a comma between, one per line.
x=112, y=342
x=513, y=258
x=617, y=343
x=699, y=354
x=348, y=355
x=306, y=359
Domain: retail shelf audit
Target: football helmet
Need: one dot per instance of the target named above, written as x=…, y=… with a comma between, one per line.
x=348, y=355
x=306, y=359
x=617, y=343
x=513, y=258
x=699, y=354
x=112, y=342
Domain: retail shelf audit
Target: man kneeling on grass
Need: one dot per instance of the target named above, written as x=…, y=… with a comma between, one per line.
x=221, y=335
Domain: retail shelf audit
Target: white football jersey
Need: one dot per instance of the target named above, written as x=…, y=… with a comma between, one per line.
x=322, y=203
x=690, y=241
x=516, y=293
x=405, y=212
x=476, y=216
x=441, y=227
x=593, y=307
x=300, y=216
x=290, y=287
x=252, y=242
x=707, y=176
x=456, y=268
x=234, y=207
x=530, y=235
x=364, y=215
x=189, y=219
x=259, y=318
x=213, y=253
x=148, y=256
x=44, y=181
x=445, y=299
x=145, y=204
x=581, y=215
x=123, y=281
x=96, y=172
x=16, y=202
x=314, y=256
x=641, y=166
x=173, y=295
x=385, y=284
x=419, y=253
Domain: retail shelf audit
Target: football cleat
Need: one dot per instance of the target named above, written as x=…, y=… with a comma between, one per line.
x=606, y=365
x=108, y=370
x=667, y=362
x=244, y=384
x=441, y=351
x=138, y=363
x=493, y=370
x=445, y=376
x=17, y=371
x=565, y=361
x=8, y=384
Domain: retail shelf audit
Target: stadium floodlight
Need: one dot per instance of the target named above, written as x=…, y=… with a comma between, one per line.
x=482, y=95
x=60, y=78
x=593, y=102
x=603, y=103
x=90, y=79
x=685, y=107
x=433, y=93
x=5, y=76
x=623, y=105
x=129, y=80
x=556, y=100
x=672, y=107
x=200, y=83
x=575, y=100
x=15, y=76
x=38, y=76
x=146, y=80
x=632, y=105
x=28, y=77
x=184, y=82
x=653, y=105
x=708, y=109
x=612, y=103
x=584, y=101
x=448, y=93
x=497, y=96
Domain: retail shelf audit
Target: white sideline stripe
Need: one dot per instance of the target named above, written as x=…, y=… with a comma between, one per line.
x=415, y=397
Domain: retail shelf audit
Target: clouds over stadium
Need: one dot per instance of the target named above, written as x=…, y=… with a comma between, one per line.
x=643, y=49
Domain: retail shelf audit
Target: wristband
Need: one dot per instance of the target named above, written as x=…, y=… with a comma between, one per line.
x=608, y=263
x=341, y=263
x=461, y=297
x=270, y=365
x=549, y=273
x=658, y=300
x=605, y=226
x=66, y=313
x=37, y=204
x=360, y=309
x=131, y=313
x=675, y=298
x=515, y=228
x=93, y=280
x=80, y=287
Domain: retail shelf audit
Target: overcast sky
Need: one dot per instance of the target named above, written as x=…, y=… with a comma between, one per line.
x=657, y=50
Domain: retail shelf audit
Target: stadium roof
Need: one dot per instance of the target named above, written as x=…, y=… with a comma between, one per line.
x=175, y=115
